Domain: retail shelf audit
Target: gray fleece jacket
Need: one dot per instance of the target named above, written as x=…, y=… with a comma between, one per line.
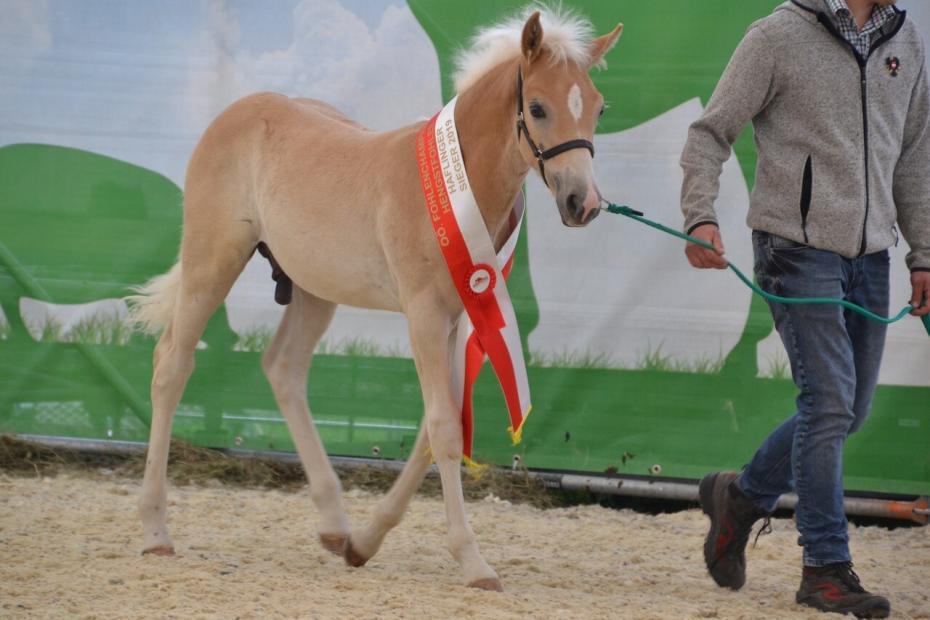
x=843, y=141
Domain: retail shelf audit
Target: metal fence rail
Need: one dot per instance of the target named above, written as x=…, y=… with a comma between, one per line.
x=887, y=507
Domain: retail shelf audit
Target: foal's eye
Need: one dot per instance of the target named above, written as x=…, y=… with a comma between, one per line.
x=537, y=111
x=601, y=113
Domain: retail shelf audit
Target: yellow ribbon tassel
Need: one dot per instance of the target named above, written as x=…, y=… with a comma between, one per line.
x=516, y=436
x=475, y=469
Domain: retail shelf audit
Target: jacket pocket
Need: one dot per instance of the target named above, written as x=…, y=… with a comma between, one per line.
x=807, y=182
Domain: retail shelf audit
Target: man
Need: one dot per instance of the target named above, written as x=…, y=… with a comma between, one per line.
x=838, y=94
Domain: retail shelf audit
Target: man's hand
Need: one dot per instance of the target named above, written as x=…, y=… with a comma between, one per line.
x=702, y=258
x=920, y=297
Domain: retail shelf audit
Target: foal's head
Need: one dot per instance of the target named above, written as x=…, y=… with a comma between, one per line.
x=557, y=106
x=561, y=106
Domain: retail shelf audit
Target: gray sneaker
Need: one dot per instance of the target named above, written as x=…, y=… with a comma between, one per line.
x=732, y=516
x=836, y=588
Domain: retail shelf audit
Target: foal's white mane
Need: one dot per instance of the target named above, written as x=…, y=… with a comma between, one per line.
x=565, y=35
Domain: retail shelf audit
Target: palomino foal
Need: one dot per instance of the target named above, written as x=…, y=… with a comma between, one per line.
x=342, y=211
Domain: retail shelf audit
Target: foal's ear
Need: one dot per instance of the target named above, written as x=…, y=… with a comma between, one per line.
x=599, y=47
x=532, y=38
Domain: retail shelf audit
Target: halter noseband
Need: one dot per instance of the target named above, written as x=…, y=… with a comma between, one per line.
x=541, y=155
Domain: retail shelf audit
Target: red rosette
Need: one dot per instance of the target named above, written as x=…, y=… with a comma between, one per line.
x=480, y=281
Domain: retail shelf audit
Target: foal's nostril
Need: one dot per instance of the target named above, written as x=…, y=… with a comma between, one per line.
x=574, y=205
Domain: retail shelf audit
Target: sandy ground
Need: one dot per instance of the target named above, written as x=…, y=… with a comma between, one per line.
x=69, y=547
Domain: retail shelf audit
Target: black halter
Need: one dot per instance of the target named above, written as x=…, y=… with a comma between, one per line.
x=541, y=155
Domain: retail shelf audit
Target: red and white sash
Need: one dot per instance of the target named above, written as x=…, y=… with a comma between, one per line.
x=488, y=327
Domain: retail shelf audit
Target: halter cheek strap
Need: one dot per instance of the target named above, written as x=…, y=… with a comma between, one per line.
x=541, y=155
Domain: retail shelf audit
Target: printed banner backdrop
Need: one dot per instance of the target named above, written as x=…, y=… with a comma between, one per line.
x=635, y=359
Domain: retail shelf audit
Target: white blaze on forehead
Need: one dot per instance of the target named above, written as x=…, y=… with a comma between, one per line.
x=575, y=103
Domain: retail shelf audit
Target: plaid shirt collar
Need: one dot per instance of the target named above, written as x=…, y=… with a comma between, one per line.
x=861, y=40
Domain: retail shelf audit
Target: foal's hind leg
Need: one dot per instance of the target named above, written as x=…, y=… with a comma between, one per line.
x=206, y=278
x=286, y=363
x=364, y=543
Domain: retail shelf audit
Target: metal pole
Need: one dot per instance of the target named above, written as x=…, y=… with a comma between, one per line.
x=917, y=510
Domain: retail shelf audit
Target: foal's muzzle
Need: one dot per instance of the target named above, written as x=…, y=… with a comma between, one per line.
x=572, y=209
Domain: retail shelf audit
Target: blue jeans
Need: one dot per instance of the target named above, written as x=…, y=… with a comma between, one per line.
x=835, y=356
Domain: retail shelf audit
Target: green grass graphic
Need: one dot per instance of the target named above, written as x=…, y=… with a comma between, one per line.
x=778, y=369
x=655, y=360
x=96, y=329
x=101, y=329
x=360, y=347
x=258, y=339
x=255, y=340
x=570, y=359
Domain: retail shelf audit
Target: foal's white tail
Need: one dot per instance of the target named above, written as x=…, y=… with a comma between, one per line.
x=153, y=308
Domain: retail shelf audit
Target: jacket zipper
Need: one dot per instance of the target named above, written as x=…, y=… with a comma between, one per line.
x=863, y=95
x=863, y=91
x=863, y=87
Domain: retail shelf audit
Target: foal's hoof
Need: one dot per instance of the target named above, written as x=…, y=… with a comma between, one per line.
x=488, y=583
x=353, y=557
x=162, y=550
x=334, y=543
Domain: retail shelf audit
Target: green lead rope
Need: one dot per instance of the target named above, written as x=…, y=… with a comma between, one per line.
x=638, y=216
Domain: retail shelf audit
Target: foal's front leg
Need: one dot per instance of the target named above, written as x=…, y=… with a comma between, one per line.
x=431, y=338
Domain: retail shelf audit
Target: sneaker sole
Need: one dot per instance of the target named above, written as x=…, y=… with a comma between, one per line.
x=880, y=611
